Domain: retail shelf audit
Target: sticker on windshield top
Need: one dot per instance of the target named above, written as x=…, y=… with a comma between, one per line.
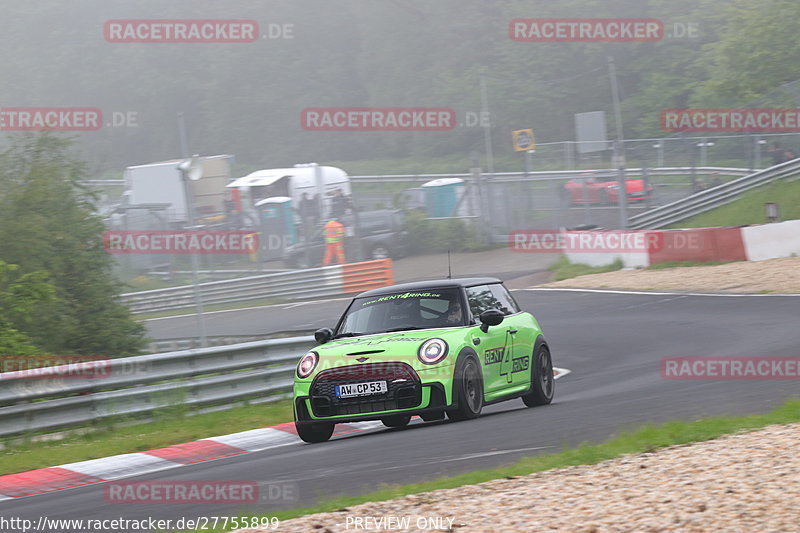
x=404, y=295
x=381, y=340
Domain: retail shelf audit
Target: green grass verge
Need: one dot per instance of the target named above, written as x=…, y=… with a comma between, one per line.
x=749, y=209
x=171, y=426
x=644, y=439
x=563, y=269
x=676, y=264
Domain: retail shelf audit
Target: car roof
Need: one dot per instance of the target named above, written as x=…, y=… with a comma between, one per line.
x=430, y=284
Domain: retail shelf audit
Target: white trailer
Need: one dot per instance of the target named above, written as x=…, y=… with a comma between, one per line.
x=162, y=183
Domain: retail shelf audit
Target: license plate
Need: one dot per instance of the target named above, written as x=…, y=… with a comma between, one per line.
x=361, y=389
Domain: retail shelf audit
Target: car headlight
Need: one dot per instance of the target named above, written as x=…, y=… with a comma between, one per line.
x=307, y=364
x=432, y=351
x=614, y=187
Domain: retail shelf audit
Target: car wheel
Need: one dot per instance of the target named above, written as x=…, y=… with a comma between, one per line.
x=396, y=421
x=543, y=384
x=605, y=199
x=314, y=432
x=468, y=392
x=379, y=252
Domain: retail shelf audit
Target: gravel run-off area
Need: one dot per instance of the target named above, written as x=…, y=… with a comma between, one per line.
x=770, y=276
x=747, y=482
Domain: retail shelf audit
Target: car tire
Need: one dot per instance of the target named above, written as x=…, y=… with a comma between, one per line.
x=604, y=197
x=467, y=391
x=379, y=252
x=543, y=384
x=313, y=432
x=396, y=421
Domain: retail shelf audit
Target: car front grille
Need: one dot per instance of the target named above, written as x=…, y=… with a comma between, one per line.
x=403, y=384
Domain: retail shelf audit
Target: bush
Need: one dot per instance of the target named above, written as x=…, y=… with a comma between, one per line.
x=440, y=235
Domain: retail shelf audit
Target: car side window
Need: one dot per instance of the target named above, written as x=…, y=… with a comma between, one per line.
x=480, y=299
x=506, y=302
x=433, y=308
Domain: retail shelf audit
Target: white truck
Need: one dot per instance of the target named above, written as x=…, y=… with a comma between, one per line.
x=162, y=183
x=316, y=181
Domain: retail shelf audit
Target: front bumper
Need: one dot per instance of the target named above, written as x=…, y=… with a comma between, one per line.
x=408, y=392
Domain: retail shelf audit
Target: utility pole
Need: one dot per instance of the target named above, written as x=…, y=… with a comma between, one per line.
x=619, y=148
x=487, y=139
x=189, y=198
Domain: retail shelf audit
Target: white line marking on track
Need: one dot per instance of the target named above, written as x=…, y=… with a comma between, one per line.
x=466, y=457
x=665, y=300
x=653, y=293
x=560, y=372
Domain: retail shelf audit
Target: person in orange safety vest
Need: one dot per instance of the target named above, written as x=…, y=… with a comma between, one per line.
x=334, y=242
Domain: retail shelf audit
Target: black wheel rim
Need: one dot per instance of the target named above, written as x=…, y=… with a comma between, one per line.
x=546, y=378
x=472, y=387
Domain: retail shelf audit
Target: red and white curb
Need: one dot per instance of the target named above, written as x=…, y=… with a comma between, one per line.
x=127, y=465
x=133, y=464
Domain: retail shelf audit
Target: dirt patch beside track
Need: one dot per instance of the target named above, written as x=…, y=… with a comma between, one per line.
x=770, y=276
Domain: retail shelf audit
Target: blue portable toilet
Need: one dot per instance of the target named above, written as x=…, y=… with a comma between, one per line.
x=442, y=196
x=278, y=229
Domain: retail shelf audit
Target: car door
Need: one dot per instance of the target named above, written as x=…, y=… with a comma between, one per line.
x=515, y=369
x=495, y=345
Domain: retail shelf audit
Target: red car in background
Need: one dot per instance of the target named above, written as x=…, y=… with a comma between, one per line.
x=594, y=189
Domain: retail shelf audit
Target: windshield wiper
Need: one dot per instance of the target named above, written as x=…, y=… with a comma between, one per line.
x=404, y=328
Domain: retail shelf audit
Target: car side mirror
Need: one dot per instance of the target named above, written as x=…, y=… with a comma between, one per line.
x=490, y=317
x=323, y=335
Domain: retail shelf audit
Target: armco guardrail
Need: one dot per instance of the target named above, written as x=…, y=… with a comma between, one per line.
x=551, y=174
x=296, y=284
x=555, y=174
x=81, y=393
x=709, y=199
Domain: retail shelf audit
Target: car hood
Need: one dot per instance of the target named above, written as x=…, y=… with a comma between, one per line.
x=382, y=347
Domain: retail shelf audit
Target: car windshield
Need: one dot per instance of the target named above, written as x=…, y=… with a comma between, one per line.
x=403, y=311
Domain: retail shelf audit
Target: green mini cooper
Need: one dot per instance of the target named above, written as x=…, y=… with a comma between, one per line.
x=428, y=348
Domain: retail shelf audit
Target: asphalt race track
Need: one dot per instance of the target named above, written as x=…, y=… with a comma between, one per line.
x=611, y=342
